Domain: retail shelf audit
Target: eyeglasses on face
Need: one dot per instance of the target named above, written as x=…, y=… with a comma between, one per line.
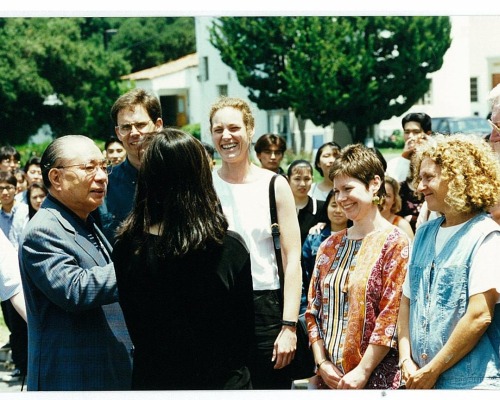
x=126, y=129
x=91, y=167
x=10, y=161
x=494, y=126
x=8, y=188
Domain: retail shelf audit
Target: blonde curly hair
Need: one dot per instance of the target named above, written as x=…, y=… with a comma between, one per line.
x=469, y=165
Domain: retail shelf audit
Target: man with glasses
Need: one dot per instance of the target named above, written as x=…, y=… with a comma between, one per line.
x=77, y=337
x=270, y=150
x=134, y=114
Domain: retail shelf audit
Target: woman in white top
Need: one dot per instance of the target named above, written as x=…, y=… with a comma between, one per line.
x=243, y=189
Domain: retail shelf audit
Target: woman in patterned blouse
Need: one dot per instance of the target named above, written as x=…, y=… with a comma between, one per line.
x=357, y=283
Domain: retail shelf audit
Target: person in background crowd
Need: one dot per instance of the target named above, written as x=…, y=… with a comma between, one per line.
x=270, y=150
x=13, y=219
x=36, y=193
x=13, y=214
x=11, y=290
x=210, y=153
x=114, y=151
x=22, y=181
x=243, y=189
x=449, y=321
x=325, y=156
x=134, y=114
x=336, y=221
x=77, y=337
x=167, y=246
x=392, y=205
x=33, y=170
x=10, y=159
x=417, y=130
x=494, y=137
x=300, y=176
x=416, y=127
x=10, y=277
x=356, y=283
x=33, y=173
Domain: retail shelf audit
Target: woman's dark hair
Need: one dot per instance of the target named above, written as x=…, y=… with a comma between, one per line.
x=111, y=140
x=301, y=163
x=34, y=185
x=175, y=192
x=320, y=151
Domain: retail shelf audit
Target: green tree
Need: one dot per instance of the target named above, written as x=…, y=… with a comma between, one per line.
x=359, y=70
x=49, y=75
x=148, y=42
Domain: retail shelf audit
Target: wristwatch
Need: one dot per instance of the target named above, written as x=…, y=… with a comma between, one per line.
x=321, y=363
x=289, y=323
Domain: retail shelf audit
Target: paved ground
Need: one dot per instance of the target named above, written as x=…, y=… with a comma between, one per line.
x=5, y=370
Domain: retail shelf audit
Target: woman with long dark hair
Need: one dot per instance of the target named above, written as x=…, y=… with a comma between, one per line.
x=184, y=280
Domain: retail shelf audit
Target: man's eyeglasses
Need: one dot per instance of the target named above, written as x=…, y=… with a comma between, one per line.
x=91, y=167
x=494, y=126
x=8, y=188
x=9, y=161
x=126, y=129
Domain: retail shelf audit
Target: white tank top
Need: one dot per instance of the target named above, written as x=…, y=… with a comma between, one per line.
x=246, y=207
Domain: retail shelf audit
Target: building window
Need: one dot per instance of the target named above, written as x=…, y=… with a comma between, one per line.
x=222, y=90
x=473, y=90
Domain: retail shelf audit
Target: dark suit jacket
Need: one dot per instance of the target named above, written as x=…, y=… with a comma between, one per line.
x=77, y=338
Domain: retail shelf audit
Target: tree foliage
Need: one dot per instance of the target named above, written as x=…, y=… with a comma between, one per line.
x=58, y=71
x=359, y=70
x=148, y=42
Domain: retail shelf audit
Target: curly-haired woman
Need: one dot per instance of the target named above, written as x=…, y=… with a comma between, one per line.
x=449, y=327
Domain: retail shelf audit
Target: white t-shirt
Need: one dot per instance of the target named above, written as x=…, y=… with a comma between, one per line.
x=246, y=207
x=398, y=168
x=484, y=272
x=316, y=193
x=10, y=276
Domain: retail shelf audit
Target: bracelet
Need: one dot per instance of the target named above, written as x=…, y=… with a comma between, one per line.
x=318, y=365
x=289, y=323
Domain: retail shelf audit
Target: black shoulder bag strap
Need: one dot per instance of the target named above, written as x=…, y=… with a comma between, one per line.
x=275, y=231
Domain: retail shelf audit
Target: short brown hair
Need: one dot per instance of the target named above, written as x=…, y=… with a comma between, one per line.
x=137, y=97
x=360, y=162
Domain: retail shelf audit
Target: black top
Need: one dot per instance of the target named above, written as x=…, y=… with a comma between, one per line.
x=309, y=216
x=411, y=203
x=190, y=318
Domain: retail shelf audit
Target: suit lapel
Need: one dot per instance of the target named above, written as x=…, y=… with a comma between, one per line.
x=75, y=228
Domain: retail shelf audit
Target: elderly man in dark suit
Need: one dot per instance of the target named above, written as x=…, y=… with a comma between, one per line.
x=77, y=338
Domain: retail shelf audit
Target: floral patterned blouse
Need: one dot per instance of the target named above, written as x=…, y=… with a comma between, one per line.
x=354, y=298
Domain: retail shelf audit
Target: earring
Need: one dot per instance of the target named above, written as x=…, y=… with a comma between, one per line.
x=376, y=200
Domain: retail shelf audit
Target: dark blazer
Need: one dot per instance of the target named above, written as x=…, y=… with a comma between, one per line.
x=77, y=338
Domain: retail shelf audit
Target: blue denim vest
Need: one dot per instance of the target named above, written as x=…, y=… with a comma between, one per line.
x=439, y=297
